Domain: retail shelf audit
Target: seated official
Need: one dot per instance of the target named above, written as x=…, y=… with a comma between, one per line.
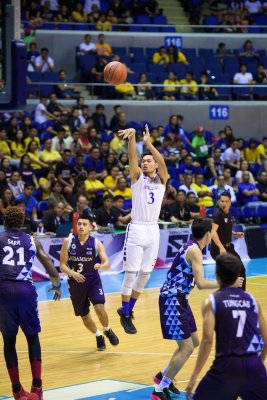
x=262, y=186
x=180, y=211
x=104, y=214
x=121, y=217
x=53, y=219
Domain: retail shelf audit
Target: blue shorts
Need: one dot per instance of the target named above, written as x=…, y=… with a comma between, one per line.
x=176, y=318
x=231, y=377
x=18, y=308
x=82, y=294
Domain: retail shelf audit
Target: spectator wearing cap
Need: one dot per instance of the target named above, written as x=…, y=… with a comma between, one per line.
x=251, y=153
x=30, y=201
x=200, y=146
x=248, y=192
x=104, y=214
x=43, y=62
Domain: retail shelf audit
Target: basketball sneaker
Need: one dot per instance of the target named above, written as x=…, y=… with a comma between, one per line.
x=126, y=322
x=113, y=339
x=36, y=391
x=100, y=343
x=21, y=395
x=164, y=395
x=157, y=379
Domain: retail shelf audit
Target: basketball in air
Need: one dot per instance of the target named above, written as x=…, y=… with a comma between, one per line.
x=115, y=73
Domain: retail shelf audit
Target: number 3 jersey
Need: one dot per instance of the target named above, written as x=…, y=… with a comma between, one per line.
x=17, y=252
x=236, y=322
x=147, y=196
x=83, y=257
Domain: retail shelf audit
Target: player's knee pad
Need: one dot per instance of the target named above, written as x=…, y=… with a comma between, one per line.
x=141, y=281
x=128, y=282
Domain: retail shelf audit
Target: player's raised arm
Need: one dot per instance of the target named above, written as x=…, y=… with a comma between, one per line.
x=162, y=169
x=45, y=260
x=205, y=344
x=195, y=258
x=64, y=261
x=135, y=170
x=103, y=257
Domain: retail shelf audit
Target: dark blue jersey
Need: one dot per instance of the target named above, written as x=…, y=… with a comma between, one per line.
x=236, y=322
x=17, y=252
x=180, y=277
x=82, y=257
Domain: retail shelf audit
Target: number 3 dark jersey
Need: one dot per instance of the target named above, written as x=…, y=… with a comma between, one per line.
x=17, y=252
x=82, y=257
x=236, y=322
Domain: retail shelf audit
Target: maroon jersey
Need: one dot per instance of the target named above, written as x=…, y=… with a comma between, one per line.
x=82, y=257
x=236, y=322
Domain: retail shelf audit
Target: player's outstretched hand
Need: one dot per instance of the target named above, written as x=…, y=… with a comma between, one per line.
x=239, y=282
x=57, y=294
x=146, y=134
x=97, y=266
x=127, y=133
x=78, y=277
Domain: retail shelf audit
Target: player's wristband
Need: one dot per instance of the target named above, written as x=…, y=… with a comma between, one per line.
x=57, y=287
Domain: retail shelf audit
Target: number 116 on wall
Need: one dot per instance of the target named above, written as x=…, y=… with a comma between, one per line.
x=219, y=112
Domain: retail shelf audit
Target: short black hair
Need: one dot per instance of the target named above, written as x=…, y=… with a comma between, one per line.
x=146, y=153
x=119, y=197
x=225, y=194
x=228, y=268
x=108, y=197
x=85, y=215
x=200, y=227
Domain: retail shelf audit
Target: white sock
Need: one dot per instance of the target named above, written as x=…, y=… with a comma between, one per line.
x=107, y=328
x=98, y=333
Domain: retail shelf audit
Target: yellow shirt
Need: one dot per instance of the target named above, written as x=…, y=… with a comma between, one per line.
x=181, y=57
x=126, y=193
x=4, y=147
x=28, y=140
x=160, y=59
x=115, y=144
x=109, y=181
x=169, y=86
x=20, y=148
x=48, y=156
x=103, y=26
x=45, y=195
x=189, y=89
x=103, y=49
x=89, y=184
x=78, y=17
x=126, y=87
x=203, y=201
x=252, y=155
x=34, y=156
x=262, y=150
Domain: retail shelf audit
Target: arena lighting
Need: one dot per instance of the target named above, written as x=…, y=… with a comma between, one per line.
x=13, y=83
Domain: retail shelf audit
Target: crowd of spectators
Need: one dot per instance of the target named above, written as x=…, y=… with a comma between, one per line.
x=58, y=163
x=101, y=13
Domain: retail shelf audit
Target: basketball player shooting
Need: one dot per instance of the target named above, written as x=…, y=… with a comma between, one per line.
x=141, y=244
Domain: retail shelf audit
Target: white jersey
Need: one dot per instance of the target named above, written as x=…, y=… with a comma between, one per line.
x=147, y=196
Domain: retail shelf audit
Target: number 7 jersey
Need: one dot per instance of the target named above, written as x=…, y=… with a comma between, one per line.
x=17, y=252
x=147, y=196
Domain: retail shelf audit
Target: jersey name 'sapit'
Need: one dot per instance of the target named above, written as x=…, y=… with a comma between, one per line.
x=82, y=257
x=147, y=196
x=17, y=252
x=180, y=277
x=237, y=328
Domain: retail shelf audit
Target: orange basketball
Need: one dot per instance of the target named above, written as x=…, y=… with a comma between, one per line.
x=115, y=73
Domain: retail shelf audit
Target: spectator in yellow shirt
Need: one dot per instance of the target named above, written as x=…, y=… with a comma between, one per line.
x=170, y=90
x=251, y=153
x=203, y=192
x=161, y=57
x=189, y=88
x=103, y=24
x=18, y=146
x=94, y=188
x=78, y=15
x=127, y=90
x=102, y=48
x=111, y=180
x=122, y=189
x=116, y=143
x=49, y=156
x=262, y=150
x=176, y=56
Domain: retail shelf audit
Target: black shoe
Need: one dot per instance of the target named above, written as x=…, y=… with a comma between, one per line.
x=164, y=395
x=100, y=343
x=158, y=377
x=113, y=339
x=126, y=322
